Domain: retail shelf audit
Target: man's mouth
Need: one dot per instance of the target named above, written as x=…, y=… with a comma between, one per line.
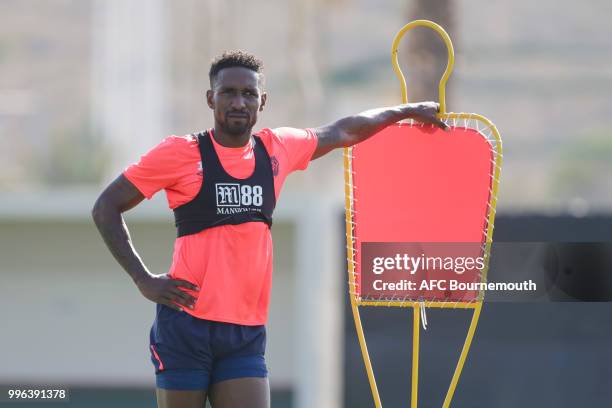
x=237, y=116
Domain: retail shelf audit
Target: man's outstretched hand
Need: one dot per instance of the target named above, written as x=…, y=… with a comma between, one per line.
x=167, y=291
x=425, y=112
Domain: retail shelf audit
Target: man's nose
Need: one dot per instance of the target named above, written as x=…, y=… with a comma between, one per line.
x=238, y=102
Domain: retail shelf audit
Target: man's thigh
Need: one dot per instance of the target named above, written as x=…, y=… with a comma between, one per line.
x=249, y=392
x=180, y=399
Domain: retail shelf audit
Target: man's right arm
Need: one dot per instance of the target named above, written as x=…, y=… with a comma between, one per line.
x=120, y=196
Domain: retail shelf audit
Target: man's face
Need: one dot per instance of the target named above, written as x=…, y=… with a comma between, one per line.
x=236, y=98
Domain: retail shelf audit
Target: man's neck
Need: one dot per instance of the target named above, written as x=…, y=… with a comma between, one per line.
x=228, y=140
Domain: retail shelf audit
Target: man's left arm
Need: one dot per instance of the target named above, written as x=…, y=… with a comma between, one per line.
x=353, y=129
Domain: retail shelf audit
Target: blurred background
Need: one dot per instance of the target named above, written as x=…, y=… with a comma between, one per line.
x=87, y=86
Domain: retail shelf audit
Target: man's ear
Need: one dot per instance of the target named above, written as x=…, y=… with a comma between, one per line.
x=209, y=99
x=264, y=98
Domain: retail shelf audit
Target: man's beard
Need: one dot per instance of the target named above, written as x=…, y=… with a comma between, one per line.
x=236, y=127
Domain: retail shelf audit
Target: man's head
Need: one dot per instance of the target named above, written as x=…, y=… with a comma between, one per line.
x=236, y=91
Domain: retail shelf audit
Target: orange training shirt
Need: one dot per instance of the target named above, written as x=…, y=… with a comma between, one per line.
x=231, y=264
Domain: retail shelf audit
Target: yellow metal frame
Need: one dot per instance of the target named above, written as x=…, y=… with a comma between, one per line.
x=476, y=305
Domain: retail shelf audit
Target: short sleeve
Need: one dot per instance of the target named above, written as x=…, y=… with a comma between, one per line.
x=299, y=145
x=161, y=166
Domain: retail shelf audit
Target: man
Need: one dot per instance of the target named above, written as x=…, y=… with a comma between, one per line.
x=208, y=338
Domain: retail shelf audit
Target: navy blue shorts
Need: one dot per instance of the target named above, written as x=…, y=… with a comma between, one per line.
x=191, y=354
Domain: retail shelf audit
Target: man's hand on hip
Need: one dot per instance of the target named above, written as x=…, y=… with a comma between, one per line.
x=167, y=291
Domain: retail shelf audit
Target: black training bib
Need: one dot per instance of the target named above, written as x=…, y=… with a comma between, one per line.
x=224, y=199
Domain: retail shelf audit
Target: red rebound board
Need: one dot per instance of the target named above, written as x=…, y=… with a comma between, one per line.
x=420, y=184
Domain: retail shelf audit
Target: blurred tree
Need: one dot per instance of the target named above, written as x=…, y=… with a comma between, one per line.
x=422, y=54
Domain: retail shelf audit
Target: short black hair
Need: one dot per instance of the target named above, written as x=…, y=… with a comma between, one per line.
x=237, y=58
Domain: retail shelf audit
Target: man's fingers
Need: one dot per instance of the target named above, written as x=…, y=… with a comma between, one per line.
x=441, y=124
x=185, y=284
x=435, y=121
x=168, y=302
x=175, y=301
x=186, y=297
x=173, y=297
x=183, y=294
